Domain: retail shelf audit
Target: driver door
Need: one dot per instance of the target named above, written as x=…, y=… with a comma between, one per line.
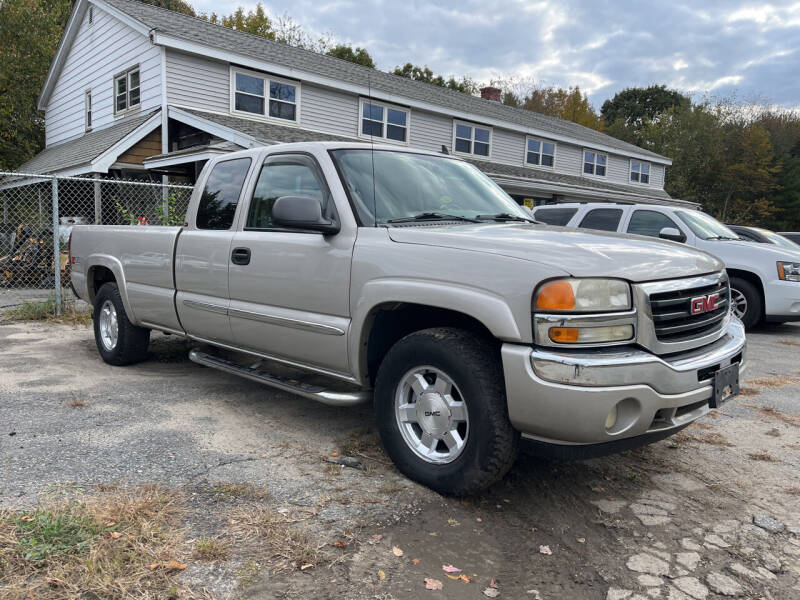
x=291, y=299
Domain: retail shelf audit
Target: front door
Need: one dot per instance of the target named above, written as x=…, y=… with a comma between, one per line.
x=203, y=254
x=291, y=299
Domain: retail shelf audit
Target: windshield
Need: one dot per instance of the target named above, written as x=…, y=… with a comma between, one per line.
x=705, y=226
x=408, y=185
x=776, y=238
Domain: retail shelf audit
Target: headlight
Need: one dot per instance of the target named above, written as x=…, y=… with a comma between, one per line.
x=583, y=296
x=788, y=271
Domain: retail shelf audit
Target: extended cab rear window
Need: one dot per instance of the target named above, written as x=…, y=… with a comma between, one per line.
x=221, y=194
x=554, y=216
x=604, y=219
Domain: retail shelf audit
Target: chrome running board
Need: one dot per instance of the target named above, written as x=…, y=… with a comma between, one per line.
x=306, y=390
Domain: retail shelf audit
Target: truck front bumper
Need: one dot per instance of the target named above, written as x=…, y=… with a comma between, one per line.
x=604, y=396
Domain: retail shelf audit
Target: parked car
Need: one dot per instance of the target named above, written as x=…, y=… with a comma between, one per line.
x=763, y=236
x=792, y=235
x=765, y=279
x=416, y=279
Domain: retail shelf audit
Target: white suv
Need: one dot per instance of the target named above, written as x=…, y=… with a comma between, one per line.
x=765, y=279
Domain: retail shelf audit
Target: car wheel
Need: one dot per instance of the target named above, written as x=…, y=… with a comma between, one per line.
x=118, y=341
x=441, y=409
x=745, y=302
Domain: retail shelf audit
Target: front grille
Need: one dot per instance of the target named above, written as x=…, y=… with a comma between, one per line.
x=672, y=312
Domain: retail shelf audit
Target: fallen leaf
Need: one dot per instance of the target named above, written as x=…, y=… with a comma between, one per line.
x=450, y=569
x=377, y=537
x=432, y=584
x=415, y=561
x=465, y=578
x=26, y=519
x=506, y=500
x=174, y=565
x=434, y=533
x=381, y=575
x=116, y=535
x=479, y=520
x=306, y=566
x=396, y=551
x=154, y=566
x=545, y=550
x=452, y=522
x=340, y=544
x=493, y=583
x=334, y=454
x=581, y=540
x=111, y=523
x=453, y=577
x=491, y=592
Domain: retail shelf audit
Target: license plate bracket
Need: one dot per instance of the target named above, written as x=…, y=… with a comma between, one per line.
x=726, y=385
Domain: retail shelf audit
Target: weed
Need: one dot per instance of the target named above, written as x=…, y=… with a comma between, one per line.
x=773, y=413
x=715, y=439
x=748, y=391
x=76, y=403
x=248, y=491
x=248, y=574
x=762, y=455
x=46, y=311
x=360, y=442
x=389, y=488
x=210, y=549
x=771, y=383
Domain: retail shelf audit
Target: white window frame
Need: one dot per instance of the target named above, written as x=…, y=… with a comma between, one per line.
x=594, y=173
x=267, y=78
x=385, y=105
x=639, y=172
x=127, y=75
x=456, y=123
x=541, y=141
x=87, y=110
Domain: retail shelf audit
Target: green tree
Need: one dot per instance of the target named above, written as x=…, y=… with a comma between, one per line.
x=29, y=34
x=569, y=104
x=174, y=5
x=358, y=55
x=635, y=106
x=424, y=74
x=254, y=21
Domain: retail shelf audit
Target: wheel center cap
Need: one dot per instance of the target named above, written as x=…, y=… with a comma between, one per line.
x=433, y=414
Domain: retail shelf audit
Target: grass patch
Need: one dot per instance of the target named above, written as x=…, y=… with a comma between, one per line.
x=118, y=544
x=360, y=442
x=210, y=550
x=243, y=491
x=773, y=413
x=771, y=383
x=46, y=311
x=762, y=455
x=748, y=391
x=714, y=439
x=788, y=343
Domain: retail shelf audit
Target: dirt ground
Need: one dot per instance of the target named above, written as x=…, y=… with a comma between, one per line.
x=249, y=467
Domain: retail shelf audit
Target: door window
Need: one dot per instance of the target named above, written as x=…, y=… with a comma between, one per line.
x=285, y=176
x=650, y=222
x=221, y=194
x=604, y=219
x=554, y=216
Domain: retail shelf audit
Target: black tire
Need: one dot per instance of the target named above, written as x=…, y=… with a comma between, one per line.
x=131, y=343
x=755, y=308
x=474, y=366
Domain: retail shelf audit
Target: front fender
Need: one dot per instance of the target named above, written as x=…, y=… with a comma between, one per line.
x=486, y=307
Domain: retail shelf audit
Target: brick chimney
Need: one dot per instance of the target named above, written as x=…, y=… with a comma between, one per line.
x=492, y=93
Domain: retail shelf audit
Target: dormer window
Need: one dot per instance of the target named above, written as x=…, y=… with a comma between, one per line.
x=640, y=171
x=265, y=96
x=471, y=139
x=594, y=163
x=540, y=153
x=127, y=93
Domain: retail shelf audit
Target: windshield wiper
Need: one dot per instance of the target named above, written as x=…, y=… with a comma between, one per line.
x=432, y=216
x=722, y=237
x=505, y=217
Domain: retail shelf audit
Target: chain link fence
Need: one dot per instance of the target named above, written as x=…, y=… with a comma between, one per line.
x=38, y=212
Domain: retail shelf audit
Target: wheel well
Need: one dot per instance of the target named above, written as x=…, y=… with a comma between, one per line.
x=97, y=277
x=752, y=278
x=388, y=323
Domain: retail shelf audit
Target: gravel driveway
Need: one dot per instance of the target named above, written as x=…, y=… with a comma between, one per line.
x=673, y=520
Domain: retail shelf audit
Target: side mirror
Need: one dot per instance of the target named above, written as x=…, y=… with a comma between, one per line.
x=301, y=212
x=673, y=234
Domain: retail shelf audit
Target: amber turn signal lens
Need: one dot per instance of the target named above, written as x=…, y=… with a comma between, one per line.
x=556, y=295
x=564, y=334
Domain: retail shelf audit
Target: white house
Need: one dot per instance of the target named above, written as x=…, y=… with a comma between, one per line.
x=136, y=90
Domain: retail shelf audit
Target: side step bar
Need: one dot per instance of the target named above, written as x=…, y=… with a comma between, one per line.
x=313, y=392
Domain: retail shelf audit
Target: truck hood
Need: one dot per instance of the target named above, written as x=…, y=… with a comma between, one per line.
x=728, y=250
x=582, y=253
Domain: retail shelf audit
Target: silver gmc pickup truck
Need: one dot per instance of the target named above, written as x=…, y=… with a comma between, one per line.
x=411, y=280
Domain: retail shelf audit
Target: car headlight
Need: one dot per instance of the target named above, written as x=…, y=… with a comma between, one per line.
x=788, y=271
x=583, y=296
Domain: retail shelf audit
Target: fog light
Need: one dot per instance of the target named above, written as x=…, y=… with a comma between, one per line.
x=611, y=419
x=591, y=335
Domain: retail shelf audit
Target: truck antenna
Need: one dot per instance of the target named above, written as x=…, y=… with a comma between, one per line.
x=372, y=153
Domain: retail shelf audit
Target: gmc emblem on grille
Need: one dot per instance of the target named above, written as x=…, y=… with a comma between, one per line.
x=704, y=304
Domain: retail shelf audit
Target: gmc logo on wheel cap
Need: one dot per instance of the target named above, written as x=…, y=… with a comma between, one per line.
x=703, y=304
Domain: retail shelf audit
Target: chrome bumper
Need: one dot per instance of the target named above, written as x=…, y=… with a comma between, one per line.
x=565, y=397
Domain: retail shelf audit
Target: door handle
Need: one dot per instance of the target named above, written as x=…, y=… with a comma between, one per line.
x=240, y=256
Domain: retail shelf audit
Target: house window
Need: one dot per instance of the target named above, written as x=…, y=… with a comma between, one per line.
x=594, y=163
x=640, y=171
x=265, y=96
x=126, y=90
x=383, y=121
x=87, y=107
x=471, y=139
x=540, y=153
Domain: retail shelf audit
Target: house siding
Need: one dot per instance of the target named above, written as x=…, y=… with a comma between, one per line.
x=98, y=52
x=508, y=147
x=197, y=82
x=327, y=110
x=430, y=131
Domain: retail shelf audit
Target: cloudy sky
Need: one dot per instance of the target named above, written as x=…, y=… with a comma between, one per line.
x=751, y=49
